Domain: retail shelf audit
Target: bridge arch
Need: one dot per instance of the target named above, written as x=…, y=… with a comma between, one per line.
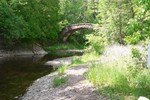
x=68, y=30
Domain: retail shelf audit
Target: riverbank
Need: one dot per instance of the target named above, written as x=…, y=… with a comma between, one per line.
x=21, y=50
x=76, y=88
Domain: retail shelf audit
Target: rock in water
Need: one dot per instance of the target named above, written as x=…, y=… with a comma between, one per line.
x=142, y=98
x=60, y=61
x=32, y=49
x=37, y=49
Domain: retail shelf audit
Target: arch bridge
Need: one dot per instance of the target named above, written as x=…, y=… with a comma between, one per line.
x=68, y=30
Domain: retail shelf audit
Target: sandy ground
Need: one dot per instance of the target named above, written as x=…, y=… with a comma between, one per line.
x=76, y=88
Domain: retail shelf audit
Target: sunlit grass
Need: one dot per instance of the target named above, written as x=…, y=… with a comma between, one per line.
x=77, y=60
x=86, y=57
x=89, y=56
x=116, y=80
x=62, y=69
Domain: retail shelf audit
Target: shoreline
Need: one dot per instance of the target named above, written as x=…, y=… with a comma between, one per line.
x=76, y=88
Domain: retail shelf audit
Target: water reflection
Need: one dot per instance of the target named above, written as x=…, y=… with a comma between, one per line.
x=17, y=73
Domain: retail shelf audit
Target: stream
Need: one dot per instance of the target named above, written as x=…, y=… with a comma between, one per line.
x=18, y=73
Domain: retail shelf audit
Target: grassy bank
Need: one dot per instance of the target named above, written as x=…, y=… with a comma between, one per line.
x=64, y=46
x=120, y=75
x=60, y=49
x=125, y=78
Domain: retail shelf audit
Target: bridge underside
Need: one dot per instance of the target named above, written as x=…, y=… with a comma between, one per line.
x=68, y=30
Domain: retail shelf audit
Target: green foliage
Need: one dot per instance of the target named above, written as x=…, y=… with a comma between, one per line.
x=138, y=26
x=121, y=79
x=62, y=69
x=29, y=21
x=140, y=59
x=96, y=42
x=134, y=39
x=86, y=57
x=78, y=11
x=113, y=17
x=63, y=54
x=76, y=60
x=64, y=46
x=127, y=19
x=79, y=37
x=54, y=49
x=11, y=25
x=89, y=56
x=59, y=80
x=41, y=20
x=135, y=53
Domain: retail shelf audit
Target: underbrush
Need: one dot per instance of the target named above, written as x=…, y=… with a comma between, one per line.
x=124, y=79
x=64, y=46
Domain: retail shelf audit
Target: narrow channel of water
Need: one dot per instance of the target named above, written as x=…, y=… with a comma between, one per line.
x=17, y=73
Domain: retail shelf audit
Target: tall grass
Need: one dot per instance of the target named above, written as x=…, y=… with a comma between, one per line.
x=120, y=79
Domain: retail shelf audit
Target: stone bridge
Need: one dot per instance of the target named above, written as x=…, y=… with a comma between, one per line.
x=68, y=30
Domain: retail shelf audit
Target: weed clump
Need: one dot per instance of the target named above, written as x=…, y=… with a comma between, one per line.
x=59, y=80
x=62, y=69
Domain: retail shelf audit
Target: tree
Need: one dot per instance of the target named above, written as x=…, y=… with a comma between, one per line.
x=29, y=20
x=78, y=11
x=139, y=26
x=114, y=16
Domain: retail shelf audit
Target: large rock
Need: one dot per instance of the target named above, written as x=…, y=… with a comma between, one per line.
x=37, y=49
x=142, y=98
x=34, y=49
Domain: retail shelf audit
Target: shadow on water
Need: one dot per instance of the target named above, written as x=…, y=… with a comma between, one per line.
x=17, y=73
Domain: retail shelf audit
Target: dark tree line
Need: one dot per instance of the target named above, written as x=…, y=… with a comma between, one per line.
x=29, y=20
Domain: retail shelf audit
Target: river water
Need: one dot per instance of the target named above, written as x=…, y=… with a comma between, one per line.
x=17, y=73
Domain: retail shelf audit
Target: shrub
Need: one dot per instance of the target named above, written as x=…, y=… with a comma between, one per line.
x=62, y=69
x=139, y=59
x=96, y=42
x=59, y=80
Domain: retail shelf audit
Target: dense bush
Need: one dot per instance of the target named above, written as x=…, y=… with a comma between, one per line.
x=96, y=42
x=138, y=26
x=29, y=20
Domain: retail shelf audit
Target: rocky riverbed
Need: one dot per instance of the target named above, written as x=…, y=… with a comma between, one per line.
x=76, y=88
